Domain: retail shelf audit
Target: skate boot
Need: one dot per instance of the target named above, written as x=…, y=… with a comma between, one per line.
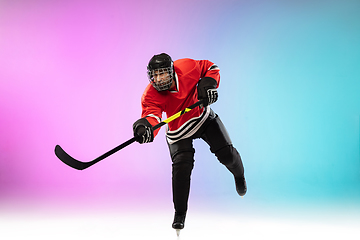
x=179, y=220
x=178, y=224
x=240, y=185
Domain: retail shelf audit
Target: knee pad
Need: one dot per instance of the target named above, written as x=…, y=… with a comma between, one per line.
x=228, y=156
x=183, y=157
x=183, y=163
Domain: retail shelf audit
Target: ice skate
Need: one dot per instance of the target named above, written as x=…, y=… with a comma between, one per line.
x=178, y=224
x=241, y=187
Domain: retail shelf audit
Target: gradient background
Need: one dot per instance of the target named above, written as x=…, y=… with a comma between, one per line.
x=72, y=73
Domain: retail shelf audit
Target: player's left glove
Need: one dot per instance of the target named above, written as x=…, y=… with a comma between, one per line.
x=143, y=131
x=207, y=91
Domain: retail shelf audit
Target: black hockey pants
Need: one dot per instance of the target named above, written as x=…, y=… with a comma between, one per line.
x=213, y=132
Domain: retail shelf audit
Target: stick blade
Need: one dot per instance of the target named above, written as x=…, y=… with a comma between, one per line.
x=68, y=160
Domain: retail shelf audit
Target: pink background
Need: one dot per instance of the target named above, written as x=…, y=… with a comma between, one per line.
x=72, y=73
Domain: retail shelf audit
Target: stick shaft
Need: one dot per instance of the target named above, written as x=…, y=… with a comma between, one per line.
x=79, y=165
x=176, y=115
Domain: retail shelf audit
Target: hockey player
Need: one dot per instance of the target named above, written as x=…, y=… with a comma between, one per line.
x=175, y=86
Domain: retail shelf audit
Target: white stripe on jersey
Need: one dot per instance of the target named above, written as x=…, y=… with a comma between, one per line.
x=188, y=128
x=177, y=84
x=214, y=67
x=154, y=116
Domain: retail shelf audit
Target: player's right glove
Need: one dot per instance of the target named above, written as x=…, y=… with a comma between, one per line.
x=143, y=131
x=207, y=90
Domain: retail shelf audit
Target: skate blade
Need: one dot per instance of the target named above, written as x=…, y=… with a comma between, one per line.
x=178, y=232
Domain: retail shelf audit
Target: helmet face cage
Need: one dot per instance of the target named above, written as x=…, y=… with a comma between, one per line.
x=161, y=78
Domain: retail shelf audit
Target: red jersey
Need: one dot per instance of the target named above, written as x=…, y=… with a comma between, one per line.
x=188, y=72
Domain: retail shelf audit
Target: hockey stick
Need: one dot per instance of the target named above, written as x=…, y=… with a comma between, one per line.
x=79, y=165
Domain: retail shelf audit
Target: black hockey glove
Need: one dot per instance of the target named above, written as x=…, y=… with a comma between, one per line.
x=143, y=131
x=207, y=90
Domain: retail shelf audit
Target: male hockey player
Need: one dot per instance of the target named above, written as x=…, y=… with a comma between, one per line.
x=175, y=86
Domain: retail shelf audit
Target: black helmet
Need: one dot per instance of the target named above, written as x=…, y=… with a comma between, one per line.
x=161, y=60
x=161, y=65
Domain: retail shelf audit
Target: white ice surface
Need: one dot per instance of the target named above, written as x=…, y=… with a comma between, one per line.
x=157, y=225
